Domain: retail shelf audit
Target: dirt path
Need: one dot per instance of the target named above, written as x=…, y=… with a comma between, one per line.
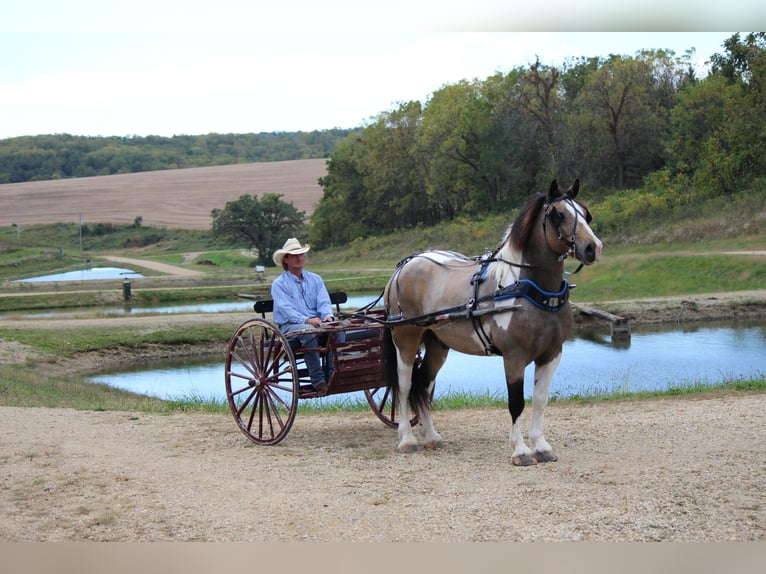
x=156, y=266
x=667, y=470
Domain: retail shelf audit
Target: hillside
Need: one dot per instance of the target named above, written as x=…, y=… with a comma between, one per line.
x=181, y=198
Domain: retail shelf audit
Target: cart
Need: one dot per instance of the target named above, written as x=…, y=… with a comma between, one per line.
x=266, y=374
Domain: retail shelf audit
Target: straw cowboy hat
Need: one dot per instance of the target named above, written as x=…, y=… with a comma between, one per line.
x=291, y=247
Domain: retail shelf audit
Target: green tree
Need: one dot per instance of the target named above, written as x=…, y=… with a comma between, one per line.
x=375, y=181
x=262, y=224
x=540, y=99
x=717, y=139
x=618, y=118
x=337, y=217
x=465, y=156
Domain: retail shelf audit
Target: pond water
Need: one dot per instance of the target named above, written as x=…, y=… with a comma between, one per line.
x=653, y=359
x=89, y=274
x=239, y=306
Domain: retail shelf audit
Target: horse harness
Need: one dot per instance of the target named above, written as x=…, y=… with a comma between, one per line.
x=525, y=288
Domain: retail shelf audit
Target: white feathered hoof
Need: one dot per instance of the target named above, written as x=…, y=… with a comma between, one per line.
x=434, y=444
x=407, y=447
x=545, y=456
x=524, y=460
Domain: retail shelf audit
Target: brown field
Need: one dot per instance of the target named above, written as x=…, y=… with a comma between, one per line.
x=179, y=198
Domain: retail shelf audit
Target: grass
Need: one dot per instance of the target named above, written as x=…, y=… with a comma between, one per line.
x=631, y=275
x=65, y=343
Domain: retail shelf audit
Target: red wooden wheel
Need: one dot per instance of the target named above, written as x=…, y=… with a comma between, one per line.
x=262, y=381
x=381, y=403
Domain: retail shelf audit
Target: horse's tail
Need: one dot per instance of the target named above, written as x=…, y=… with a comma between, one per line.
x=421, y=378
x=390, y=365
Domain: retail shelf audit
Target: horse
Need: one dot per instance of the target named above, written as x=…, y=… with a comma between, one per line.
x=512, y=302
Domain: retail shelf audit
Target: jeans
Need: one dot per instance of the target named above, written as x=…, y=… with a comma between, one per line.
x=312, y=358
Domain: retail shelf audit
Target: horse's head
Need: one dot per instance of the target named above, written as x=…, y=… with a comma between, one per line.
x=567, y=225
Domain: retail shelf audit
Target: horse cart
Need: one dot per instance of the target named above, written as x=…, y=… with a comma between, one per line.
x=266, y=374
x=512, y=302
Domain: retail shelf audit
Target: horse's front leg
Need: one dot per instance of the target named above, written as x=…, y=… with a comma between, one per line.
x=514, y=379
x=542, y=451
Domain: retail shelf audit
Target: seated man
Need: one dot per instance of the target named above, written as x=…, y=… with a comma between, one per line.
x=301, y=301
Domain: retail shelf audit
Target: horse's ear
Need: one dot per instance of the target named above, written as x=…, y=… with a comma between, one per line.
x=553, y=192
x=574, y=189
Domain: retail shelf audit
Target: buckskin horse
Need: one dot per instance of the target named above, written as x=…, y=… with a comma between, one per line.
x=512, y=302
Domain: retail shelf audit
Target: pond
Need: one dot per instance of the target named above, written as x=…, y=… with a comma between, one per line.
x=653, y=359
x=89, y=274
x=238, y=306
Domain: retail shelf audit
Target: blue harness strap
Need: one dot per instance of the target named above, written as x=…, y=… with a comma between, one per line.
x=546, y=300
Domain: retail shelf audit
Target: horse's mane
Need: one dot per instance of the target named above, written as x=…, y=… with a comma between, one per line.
x=521, y=228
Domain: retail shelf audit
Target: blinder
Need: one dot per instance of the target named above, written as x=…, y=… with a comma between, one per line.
x=555, y=217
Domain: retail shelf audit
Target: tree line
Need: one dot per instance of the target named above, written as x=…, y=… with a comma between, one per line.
x=618, y=123
x=56, y=156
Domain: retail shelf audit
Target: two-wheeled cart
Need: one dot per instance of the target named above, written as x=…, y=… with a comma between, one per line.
x=266, y=374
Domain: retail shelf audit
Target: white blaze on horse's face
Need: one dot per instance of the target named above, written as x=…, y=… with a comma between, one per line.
x=587, y=245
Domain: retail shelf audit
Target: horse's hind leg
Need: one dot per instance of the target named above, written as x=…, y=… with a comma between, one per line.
x=433, y=361
x=406, y=350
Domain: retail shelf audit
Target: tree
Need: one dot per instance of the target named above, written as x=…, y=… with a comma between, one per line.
x=718, y=139
x=262, y=224
x=540, y=99
x=337, y=218
x=375, y=181
x=618, y=117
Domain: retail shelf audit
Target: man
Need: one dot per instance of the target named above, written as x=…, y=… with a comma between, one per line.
x=301, y=302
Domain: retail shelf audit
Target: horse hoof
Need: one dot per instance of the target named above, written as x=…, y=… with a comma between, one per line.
x=434, y=444
x=545, y=456
x=405, y=448
x=524, y=460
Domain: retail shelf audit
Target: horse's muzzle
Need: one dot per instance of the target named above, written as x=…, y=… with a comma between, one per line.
x=591, y=253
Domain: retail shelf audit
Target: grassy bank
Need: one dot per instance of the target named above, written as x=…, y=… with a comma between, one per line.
x=24, y=387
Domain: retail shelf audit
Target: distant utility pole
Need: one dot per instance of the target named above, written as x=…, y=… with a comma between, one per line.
x=81, y=235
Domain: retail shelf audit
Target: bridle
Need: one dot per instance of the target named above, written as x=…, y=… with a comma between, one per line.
x=553, y=216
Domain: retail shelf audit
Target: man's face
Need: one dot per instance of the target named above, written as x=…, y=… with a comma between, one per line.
x=295, y=263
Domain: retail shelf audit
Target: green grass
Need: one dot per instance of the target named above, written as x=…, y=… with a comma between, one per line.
x=68, y=342
x=627, y=276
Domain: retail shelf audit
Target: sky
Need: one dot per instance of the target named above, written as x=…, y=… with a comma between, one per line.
x=166, y=68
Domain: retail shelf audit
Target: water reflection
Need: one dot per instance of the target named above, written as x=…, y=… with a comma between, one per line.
x=656, y=359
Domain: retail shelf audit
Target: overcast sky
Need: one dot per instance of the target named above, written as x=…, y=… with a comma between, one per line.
x=165, y=68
